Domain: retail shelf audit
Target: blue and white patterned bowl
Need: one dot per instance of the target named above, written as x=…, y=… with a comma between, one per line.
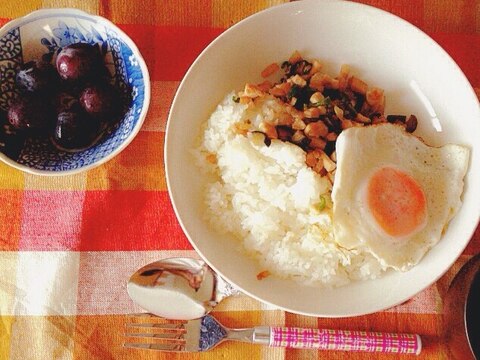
x=43, y=33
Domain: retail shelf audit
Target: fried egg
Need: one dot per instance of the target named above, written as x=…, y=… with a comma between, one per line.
x=394, y=195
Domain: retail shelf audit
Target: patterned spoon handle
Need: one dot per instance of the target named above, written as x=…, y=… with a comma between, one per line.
x=343, y=340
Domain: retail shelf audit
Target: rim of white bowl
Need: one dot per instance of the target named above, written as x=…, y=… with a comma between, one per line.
x=46, y=13
x=166, y=157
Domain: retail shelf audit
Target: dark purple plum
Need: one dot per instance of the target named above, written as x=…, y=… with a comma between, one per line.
x=70, y=101
x=75, y=130
x=101, y=101
x=80, y=61
x=29, y=111
x=37, y=76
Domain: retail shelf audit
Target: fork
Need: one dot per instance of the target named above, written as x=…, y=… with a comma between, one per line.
x=205, y=333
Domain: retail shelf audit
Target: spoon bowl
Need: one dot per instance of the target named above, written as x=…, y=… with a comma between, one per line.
x=178, y=288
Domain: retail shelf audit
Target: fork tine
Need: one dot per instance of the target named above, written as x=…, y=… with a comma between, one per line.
x=178, y=336
x=158, y=346
x=167, y=326
x=167, y=335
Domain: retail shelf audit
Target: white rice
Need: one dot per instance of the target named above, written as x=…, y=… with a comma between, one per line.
x=266, y=197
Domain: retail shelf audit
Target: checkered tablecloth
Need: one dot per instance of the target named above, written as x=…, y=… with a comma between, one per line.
x=68, y=244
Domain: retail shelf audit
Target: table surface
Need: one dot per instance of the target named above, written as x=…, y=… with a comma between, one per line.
x=68, y=244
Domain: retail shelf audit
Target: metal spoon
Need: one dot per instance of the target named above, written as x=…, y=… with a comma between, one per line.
x=178, y=288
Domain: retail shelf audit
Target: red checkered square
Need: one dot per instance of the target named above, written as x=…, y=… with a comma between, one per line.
x=130, y=220
x=169, y=51
x=51, y=220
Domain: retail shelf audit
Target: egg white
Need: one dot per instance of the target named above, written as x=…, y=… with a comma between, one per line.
x=439, y=171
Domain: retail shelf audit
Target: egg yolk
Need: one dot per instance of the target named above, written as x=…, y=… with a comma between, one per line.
x=396, y=201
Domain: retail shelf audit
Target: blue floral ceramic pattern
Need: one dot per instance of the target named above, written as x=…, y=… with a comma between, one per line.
x=126, y=74
x=10, y=46
x=10, y=61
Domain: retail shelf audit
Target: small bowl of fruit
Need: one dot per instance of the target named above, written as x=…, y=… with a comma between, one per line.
x=74, y=91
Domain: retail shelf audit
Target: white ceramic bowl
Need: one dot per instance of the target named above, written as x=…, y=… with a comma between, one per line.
x=44, y=33
x=418, y=76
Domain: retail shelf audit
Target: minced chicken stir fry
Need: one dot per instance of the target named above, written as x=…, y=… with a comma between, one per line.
x=317, y=108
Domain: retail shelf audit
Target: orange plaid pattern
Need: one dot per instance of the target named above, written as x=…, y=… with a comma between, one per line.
x=101, y=251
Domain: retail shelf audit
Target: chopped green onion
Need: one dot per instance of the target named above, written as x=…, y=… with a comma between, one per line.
x=324, y=102
x=321, y=204
x=236, y=98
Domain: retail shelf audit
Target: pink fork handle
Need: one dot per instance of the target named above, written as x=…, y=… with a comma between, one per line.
x=343, y=340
